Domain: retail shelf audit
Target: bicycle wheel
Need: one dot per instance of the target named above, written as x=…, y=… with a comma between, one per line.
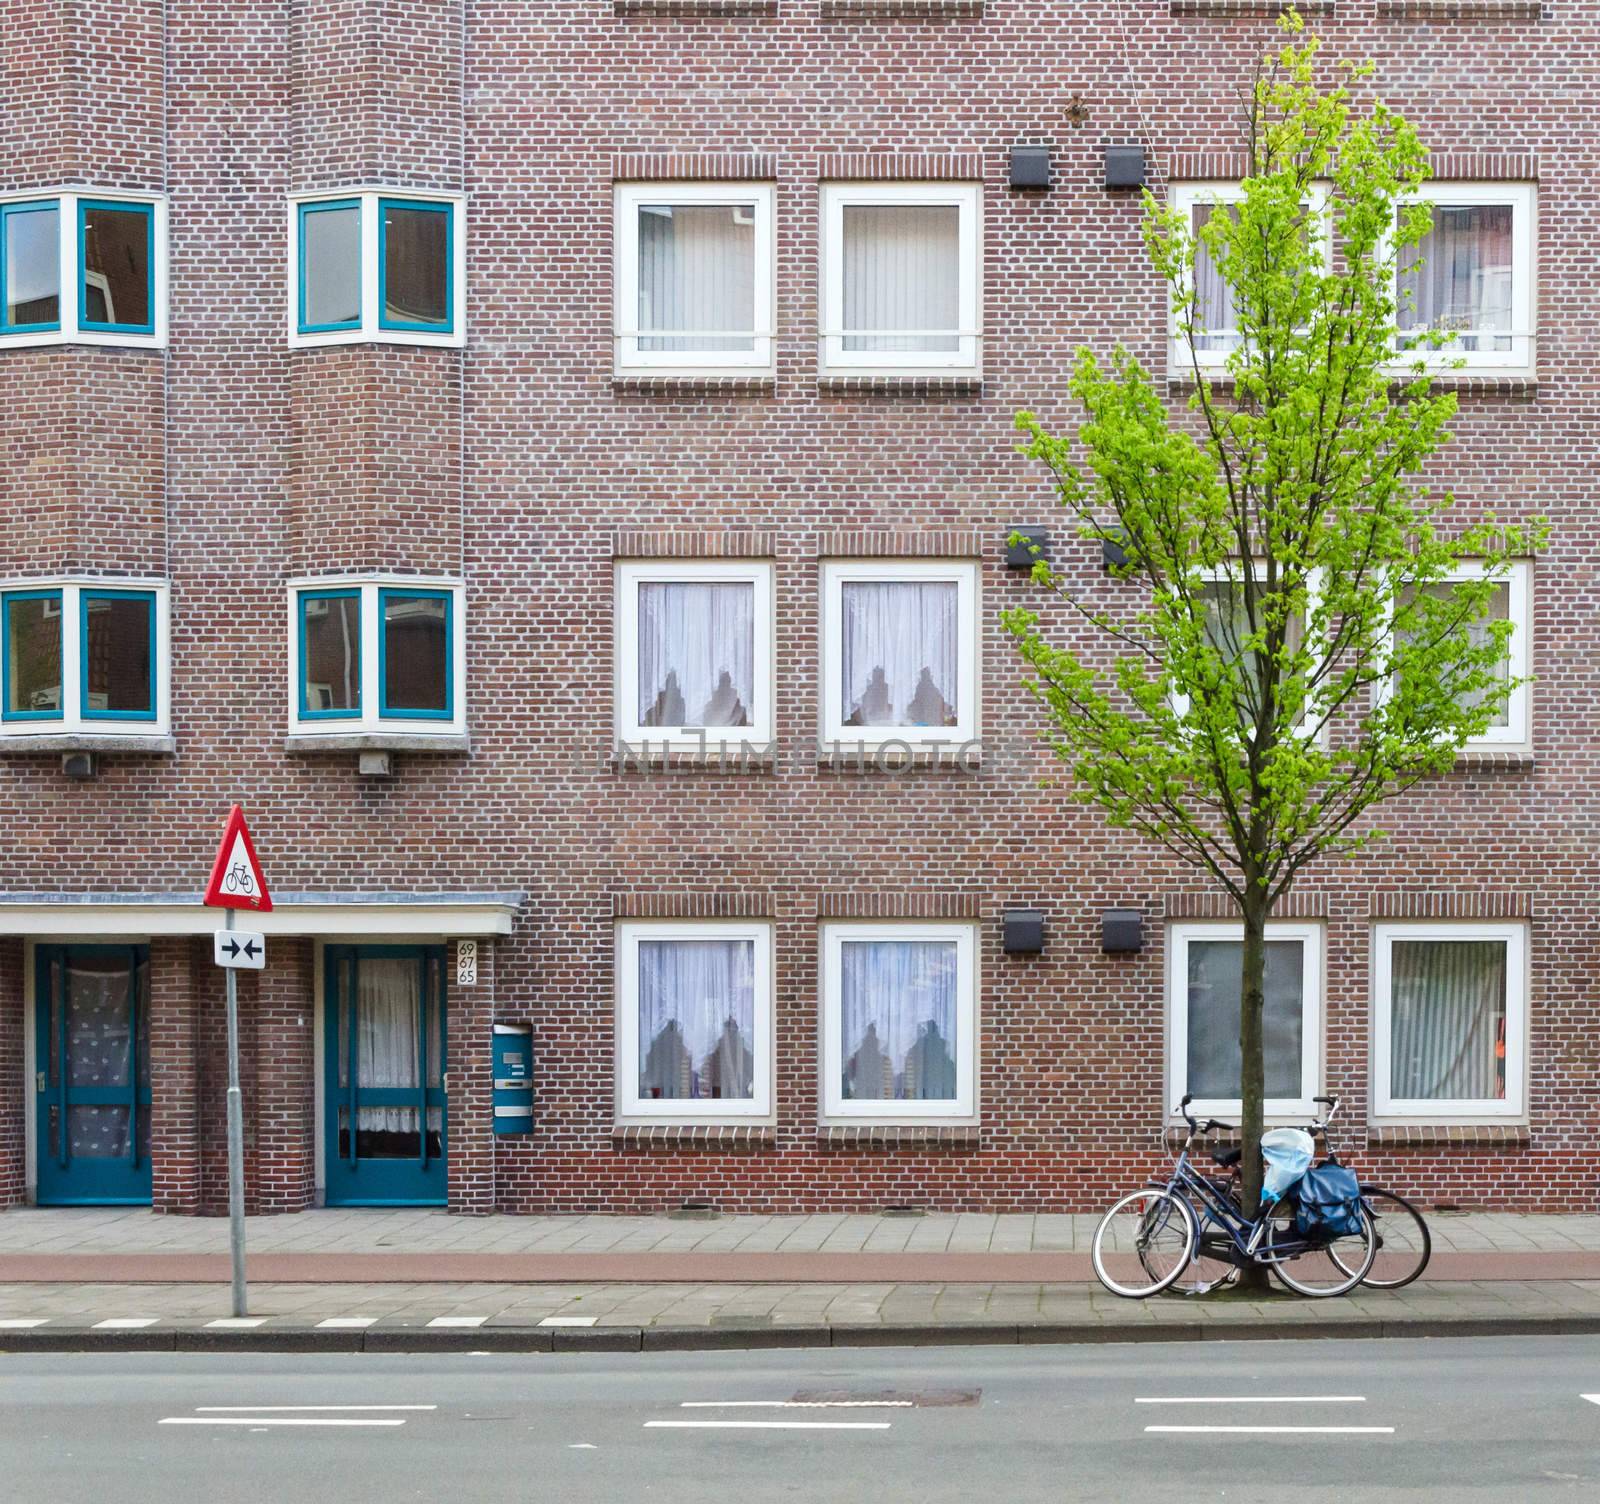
x=1213, y=1263
x=1143, y=1243
x=1404, y=1245
x=1325, y=1267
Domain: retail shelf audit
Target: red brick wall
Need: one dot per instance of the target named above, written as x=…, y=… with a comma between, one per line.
x=15, y=1098
x=175, y=1074
x=283, y=1103
x=519, y=459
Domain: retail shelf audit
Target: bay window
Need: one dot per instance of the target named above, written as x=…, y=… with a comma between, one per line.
x=1205, y=966
x=694, y=1021
x=900, y=656
x=899, y=1022
x=901, y=273
x=370, y=265
x=694, y=653
x=694, y=289
x=1450, y=1021
x=376, y=655
x=83, y=267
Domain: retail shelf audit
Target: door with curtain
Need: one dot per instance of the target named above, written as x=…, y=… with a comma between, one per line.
x=384, y=1075
x=92, y=1074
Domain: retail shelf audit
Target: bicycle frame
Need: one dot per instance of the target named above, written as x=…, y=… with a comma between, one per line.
x=1215, y=1210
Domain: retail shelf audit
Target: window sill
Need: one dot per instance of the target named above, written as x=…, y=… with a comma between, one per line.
x=1495, y=760
x=897, y=756
x=694, y=7
x=300, y=743
x=701, y=1135
x=892, y=1135
x=900, y=10
x=83, y=340
x=1461, y=10
x=664, y=384
x=1249, y=7
x=908, y=385
x=90, y=741
x=1465, y=383
x=711, y=759
x=1423, y=1135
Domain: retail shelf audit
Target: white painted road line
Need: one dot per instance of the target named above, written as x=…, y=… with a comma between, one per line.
x=21, y=1323
x=797, y=1404
x=458, y=1321
x=271, y=1420
x=1257, y=1399
x=235, y=1323
x=347, y=1321
x=124, y=1323
x=271, y=1409
x=766, y=1425
x=1593, y=1399
x=569, y=1321
x=1277, y=1430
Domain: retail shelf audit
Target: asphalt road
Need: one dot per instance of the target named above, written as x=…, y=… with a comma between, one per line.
x=1493, y=1418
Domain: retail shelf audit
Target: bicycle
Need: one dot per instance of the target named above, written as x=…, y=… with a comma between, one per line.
x=1404, y=1243
x=1148, y=1238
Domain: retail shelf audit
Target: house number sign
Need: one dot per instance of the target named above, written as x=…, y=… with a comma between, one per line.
x=466, y=963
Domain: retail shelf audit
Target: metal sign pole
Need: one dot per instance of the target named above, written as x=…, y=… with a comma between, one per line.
x=235, y=1142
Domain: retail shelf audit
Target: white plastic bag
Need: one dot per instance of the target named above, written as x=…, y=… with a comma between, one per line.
x=1288, y=1153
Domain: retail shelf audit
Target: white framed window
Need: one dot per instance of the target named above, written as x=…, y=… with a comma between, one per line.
x=694, y=653
x=1204, y=966
x=902, y=268
x=695, y=279
x=377, y=653
x=1450, y=1021
x=695, y=1037
x=83, y=266
x=1216, y=320
x=899, y=651
x=1511, y=600
x=899, y=1022
x=386, y=265
x=1472, y=275
x=83, y=656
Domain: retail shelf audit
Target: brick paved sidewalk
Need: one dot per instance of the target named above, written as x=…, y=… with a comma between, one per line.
x=121, y=1245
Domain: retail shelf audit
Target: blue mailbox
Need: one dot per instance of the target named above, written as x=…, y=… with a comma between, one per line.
x=513, y=1078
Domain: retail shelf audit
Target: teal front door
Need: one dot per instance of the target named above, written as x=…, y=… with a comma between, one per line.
x=384, y=1064
x=92, y=1074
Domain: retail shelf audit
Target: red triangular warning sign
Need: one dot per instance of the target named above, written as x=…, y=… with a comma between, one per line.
x=237, y=881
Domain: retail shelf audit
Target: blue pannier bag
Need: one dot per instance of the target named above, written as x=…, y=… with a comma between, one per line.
x=1330, y=1203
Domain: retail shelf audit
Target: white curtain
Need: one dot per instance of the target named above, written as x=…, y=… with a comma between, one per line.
x=697, y=272
x=1216, y=320
x=1499, y=608
x=696, y=654
x=1216, y=970
x=1463, y=281
x=900, y=653
x=1447, y=1013
x=332, y=270
x=697, y=1011
x=897, y=1019
x=387, y=1000
x=902, y=270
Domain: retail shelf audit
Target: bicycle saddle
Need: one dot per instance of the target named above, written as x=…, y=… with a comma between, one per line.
x=1227, y=1157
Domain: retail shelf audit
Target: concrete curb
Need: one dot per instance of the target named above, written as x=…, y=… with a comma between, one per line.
x=632, y=1339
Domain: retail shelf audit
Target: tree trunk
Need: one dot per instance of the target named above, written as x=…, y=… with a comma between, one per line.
x=1252, y=1066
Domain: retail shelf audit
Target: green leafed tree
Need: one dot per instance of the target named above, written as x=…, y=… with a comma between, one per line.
x=1290, y=640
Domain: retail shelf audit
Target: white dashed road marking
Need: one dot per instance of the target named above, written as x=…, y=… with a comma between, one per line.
x=21, y=1323
x=1277, y=1430
x=270, y=1409
x=797, y=1405
x=347, y=1321
x=767, y=1425
x=124, y=1323
x=236, y=1323
x=458, y=1321
x=1257, y=1399
x=271, y=1420
x=569, y=1321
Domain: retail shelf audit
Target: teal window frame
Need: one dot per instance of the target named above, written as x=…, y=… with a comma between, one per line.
x=121, y=206
x=318, y=206
x=85, y=597
x=28, y=206
x=306, y=712
x=389, y=712
x=6, y=713
x=412, y=326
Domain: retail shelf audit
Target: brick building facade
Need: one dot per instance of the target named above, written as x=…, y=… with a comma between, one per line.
x=240, y=444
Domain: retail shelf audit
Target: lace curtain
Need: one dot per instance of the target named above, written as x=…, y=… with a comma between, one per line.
x=1214, y=313
x=697, y=1012
x=897, y=1019
x=1463, y=281
x=697, y=272
x=696, y=654
x=902, y=270
x=900, y=653
x=1447, y=1015
x=387, y=999
x=1499, y=608
x=1215, y=973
